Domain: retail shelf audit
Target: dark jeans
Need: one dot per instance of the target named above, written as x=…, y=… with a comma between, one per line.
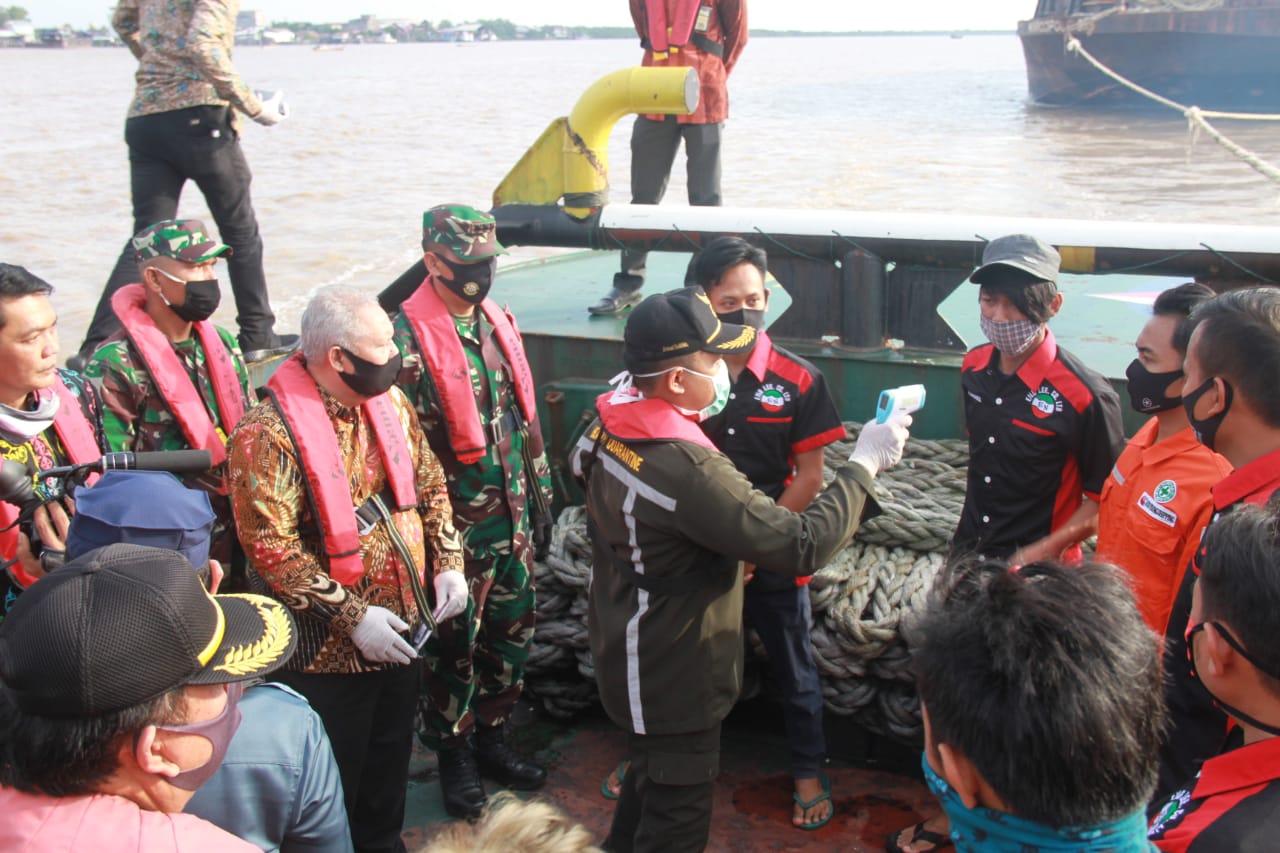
x=369, y=719
x=665, y=805
x=165, y=151
x=780, y=613
x=653, y=151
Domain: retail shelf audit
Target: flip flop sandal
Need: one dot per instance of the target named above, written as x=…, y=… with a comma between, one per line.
x=918, y=833
x=621, y=772
x=808, y=804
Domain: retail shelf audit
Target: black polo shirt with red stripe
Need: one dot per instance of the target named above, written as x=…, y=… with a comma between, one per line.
x=1233, y=805
x=1038, y=440
x=1197, y=726
x=779, y=407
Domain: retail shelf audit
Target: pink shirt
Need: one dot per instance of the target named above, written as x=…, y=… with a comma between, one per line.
x=104, y=822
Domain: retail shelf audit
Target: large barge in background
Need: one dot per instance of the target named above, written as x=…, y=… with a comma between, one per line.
x=1215, y=54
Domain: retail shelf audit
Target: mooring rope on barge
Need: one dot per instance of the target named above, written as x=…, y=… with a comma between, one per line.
x=1197, y=118
x=859, y=600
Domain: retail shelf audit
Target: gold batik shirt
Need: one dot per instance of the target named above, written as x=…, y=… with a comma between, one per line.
x=277, y=526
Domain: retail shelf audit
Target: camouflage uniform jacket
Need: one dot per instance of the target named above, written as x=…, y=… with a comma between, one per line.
x=37, y=454
x=136, y=417
x=184, y=55
x=490, y=497
x=281, y=537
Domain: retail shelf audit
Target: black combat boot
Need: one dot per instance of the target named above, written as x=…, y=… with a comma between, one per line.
x=460, y=784
x=504, y=764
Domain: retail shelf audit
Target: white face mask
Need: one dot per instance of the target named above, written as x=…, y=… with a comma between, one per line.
x=720, y=380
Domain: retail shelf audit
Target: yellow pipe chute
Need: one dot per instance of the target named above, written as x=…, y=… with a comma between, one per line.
x=570, y=160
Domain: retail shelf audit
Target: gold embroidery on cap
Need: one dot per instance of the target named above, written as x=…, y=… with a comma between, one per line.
x=742, y=341
x=246, y=660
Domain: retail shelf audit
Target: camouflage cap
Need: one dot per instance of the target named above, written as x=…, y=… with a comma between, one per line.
x=470, y=234
x=183, y=240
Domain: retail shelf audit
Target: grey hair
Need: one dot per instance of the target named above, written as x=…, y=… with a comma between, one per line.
x=331, y=319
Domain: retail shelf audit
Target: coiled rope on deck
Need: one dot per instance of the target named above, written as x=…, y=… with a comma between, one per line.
x=859, y=600
x=1197, y=119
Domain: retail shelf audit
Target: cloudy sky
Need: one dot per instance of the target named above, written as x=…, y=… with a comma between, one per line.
x=817, y=15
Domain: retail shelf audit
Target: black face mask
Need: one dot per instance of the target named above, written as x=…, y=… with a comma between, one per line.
x=371, y=379
x=471, y=282
x=1147, y=389
x=1207, y=429
x=753, y=317
x=202, y=300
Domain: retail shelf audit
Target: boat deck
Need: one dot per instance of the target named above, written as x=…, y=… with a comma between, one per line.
x=875, y=782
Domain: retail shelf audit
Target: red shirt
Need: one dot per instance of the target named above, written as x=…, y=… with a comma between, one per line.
x=1232, y=805
x=1153, y=509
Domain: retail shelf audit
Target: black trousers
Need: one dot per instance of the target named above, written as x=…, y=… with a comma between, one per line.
x=665, y=805
x=165, y=151
x=369, y=719
x=653, y=152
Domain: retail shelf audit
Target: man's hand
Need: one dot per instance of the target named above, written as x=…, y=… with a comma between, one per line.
x=273, y=109
x=28, y=562
x=451, y=595
x=880, y=446
x=748, y=572
x=542, y=529
x=378, y=637
x=50, y=522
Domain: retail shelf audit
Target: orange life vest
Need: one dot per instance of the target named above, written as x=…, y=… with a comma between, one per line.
x=438, y=340
x=661, y=36
x=328, y=483
x=172, y=381
x=79, y=442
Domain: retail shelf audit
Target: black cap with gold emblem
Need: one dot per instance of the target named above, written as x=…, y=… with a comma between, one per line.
x=124, y=624
x=680, y=322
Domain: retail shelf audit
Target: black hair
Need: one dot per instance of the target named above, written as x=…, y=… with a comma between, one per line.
x=1180, y=302
x=16, y=281
x=1047, y=679
x=72, y=756
x=1239, y=585
x=721, y=255
x=1031, y=295
x=1240, y=341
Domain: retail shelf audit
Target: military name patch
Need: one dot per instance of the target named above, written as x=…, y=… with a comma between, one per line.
x=1156, y=510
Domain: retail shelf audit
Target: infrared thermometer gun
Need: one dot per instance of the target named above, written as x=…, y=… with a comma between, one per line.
x=899, y=401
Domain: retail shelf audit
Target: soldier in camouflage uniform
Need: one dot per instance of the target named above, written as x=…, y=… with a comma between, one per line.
x=170, y=379
x=466, y=375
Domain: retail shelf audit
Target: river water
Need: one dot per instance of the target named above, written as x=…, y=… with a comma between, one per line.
x=379, y=133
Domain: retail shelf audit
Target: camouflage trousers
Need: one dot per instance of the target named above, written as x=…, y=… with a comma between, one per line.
x=475, y=661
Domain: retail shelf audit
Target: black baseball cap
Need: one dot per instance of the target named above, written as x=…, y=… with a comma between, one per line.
x=1021, y=252
x=680, y=322
x=124, y=624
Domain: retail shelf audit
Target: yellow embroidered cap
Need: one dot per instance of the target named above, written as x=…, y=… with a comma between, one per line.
x=124, y=624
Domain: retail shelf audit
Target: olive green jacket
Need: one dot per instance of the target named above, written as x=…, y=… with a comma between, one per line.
x=670, y=522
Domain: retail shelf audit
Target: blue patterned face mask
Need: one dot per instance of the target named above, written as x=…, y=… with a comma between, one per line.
x=983, y=830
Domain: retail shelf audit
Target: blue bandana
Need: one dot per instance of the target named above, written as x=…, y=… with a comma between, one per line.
x=983, y=830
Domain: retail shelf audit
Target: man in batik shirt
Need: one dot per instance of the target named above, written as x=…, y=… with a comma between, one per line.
x=170, y=379
x=338, y=502
x=466, y=375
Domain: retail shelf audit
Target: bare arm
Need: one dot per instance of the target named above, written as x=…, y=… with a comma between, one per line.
x=1082, y=524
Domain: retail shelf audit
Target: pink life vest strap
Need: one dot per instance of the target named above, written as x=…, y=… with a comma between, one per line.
x=438, y=340
x=325, y=473
x=662, y=37
x=172, y=381
x=79, y=442
x=648, y=419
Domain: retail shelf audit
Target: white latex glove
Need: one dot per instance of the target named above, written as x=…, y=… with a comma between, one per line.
x=273, y=108
x=451, y=593
x=880, y=445
x=378, y=637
